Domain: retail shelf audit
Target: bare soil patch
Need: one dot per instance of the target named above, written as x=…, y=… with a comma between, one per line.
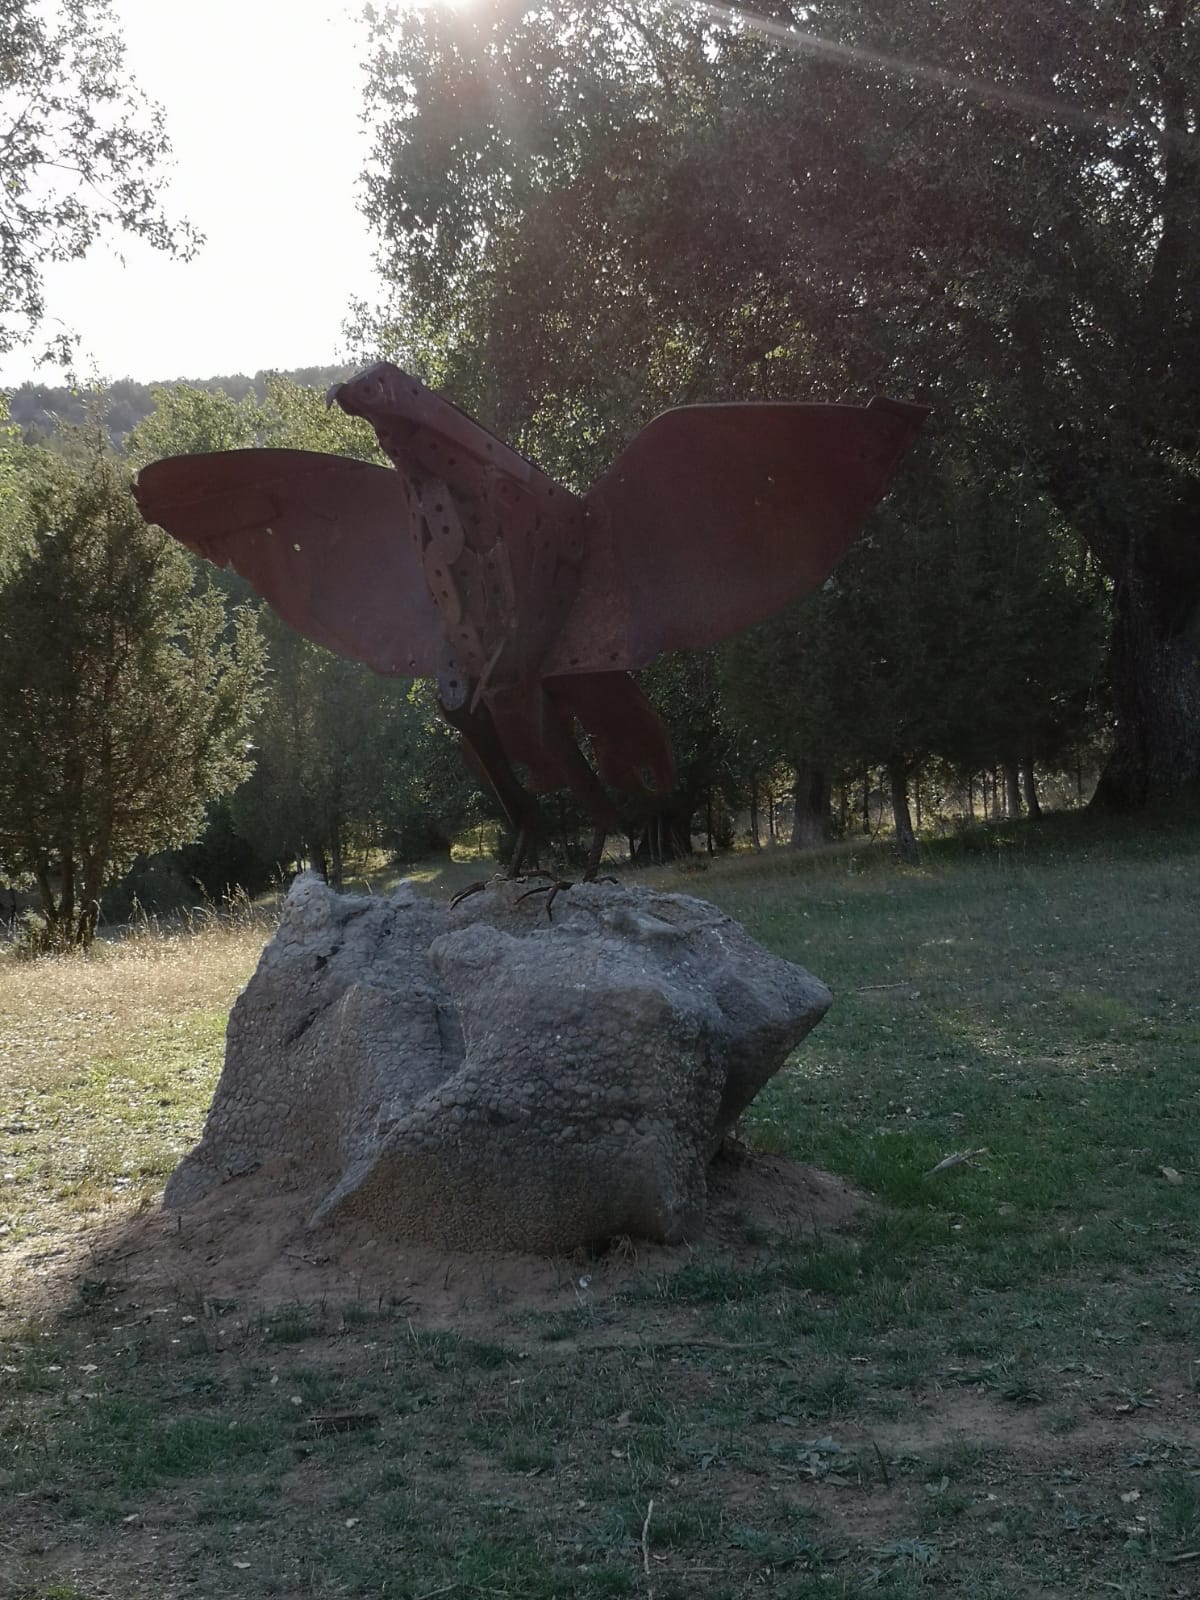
x=249, y=1242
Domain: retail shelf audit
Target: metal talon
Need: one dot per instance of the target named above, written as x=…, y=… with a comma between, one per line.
x=465, y=894
x=550, y=890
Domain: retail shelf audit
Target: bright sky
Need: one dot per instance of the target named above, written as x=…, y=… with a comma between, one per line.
x=262, y=100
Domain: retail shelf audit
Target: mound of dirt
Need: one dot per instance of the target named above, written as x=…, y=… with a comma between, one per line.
x=247, y=1243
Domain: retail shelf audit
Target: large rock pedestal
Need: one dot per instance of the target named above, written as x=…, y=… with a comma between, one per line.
x=482, y=1077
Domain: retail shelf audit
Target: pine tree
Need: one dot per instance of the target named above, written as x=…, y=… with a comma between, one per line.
x=125, y=698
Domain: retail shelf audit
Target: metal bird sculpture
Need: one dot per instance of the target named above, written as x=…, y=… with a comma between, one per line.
x=531, y=605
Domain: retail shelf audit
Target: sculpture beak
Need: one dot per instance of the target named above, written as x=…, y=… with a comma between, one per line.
x=331, y=395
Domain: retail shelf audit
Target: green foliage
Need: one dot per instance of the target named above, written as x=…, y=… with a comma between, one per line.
x=296, y=416
x=44, y=410
x=712, y=757
x=125, y=698
x=320, y=742
x=81, y=150
x=966, y=626
x=11, y=521
x=186, y=420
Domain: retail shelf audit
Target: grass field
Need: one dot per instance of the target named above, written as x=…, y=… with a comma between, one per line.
x=988, y=1388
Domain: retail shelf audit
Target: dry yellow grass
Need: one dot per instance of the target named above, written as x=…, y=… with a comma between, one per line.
x=107, y=1063
x=60, y=1013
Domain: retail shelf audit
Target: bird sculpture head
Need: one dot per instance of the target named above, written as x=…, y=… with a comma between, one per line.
x=399, y=406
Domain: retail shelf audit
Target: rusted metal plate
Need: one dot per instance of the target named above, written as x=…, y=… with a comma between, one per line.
x=630, y=742
x=326, y=540
x=442, y=521
x=717, y=516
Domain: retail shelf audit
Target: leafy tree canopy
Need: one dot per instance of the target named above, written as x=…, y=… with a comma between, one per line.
x=81, y=150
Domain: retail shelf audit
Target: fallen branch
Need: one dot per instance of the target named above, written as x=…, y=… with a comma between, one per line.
x=956, y=1160
x=338, y=1422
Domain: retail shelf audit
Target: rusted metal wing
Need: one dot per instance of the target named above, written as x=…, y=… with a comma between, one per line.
x=717, y=516
x=325, y=539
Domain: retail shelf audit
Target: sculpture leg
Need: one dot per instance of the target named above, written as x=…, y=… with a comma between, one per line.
x=525, y=845
x=595, y=854
x=586, y=787
x=584, y=784
x=483, y=746
x=536, y=726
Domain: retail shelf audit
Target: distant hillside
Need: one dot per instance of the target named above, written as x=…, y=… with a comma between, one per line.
x=38, y=408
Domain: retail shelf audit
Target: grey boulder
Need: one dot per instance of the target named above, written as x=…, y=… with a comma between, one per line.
x=482, y=1077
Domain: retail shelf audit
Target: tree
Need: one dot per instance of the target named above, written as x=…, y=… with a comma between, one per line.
x=81, y=150
x=125, y=699
x=11, y=518
x=427, y=795
x=964, y=627
x=1026, y=249
x=693, y=207
x=685, y=690
x=186, y=421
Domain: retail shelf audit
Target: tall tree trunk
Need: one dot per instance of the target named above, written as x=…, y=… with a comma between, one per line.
x=666, y=834
x=335, y=853
x=754, y=838
x=41, y=873
x=1156, y=685
x=771, y=813
x=1029, y=786
x=93, y=887
x=971, y=799
x=812, y=821
x=66, y=896
x=708, y=822
x=906, y=839
x=866, y=804
x=1012, y=788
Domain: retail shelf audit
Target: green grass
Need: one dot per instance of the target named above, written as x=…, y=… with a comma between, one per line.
x=988, y=1387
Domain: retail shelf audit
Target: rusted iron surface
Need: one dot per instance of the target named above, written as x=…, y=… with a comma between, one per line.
x=528, y=604
x=325, y=539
